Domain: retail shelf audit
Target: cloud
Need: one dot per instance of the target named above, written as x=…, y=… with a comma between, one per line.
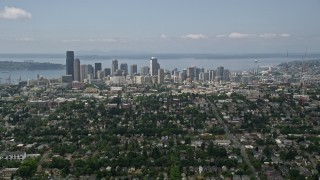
x=237, y=35
x=163, y=36
x=268, y=35
x=102, y=40
x=108, y=40
x=194, y=36
x=221, y=36
x=71, y=40
x=14, y=13
x=285, y=35
x=24, y=39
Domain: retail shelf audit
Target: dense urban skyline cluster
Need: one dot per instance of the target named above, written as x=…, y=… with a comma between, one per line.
x=148, y=74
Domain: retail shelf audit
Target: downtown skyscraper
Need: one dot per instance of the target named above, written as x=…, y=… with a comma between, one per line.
x=70, y=63
x=154, y=66
x=97, y=67
x=114, y=66
x=76, y=70
x=133, y=69
x=124, y=68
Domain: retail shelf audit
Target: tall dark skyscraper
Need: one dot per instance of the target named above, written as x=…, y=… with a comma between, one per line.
x=133, y=69
x=114, y=66
x=90, y=71
x=124, y=68
x=219, y=73
x=97, y=67
x=220, y=70
x=69, y=63
x=107, y=72
x=76, y=70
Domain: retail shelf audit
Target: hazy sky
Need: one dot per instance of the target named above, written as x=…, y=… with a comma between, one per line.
x=181, y=26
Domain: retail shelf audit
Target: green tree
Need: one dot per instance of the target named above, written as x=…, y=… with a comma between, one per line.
x=27, y=168
x=294, y=173
x=267, y=151
x=174, y=172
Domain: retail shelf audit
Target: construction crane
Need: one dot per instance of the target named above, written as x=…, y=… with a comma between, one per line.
x=8, y=80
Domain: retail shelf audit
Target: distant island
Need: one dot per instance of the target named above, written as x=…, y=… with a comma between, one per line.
x=29, y=65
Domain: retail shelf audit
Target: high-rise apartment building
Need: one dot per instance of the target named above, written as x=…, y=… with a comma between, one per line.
x=154, y=66
x=114, y=66
x=133, y=69
x=76, y=70
x=69, y=63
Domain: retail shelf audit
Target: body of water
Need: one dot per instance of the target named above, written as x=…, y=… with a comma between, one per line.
x=233, y=63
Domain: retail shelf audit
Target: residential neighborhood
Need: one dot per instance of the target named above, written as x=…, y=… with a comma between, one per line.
x=267, y=129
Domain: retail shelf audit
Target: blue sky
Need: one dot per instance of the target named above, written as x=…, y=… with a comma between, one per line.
x=167, y=26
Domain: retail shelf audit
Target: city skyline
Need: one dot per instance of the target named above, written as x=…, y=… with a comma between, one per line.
x=159, y=27
x=86, y=73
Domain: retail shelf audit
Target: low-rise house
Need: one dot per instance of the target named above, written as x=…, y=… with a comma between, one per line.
x=7, y=173
x=17, y=155
x=222, y=142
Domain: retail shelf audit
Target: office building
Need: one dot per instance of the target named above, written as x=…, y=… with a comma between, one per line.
x=197, y=73
x=212, y=75
x=204, y=76
x=114, y=66
x=124, y=68
x=97, y=67
x=100, y=75
x=90, y=71
x=182, y=76
x=107, y=72
x=83, y=72
x=154, y=66
x=133, y=69
x=69, y=63
x=144, y=70
x=66, y=79
x=118, y=73
x=176, y=76
x=191, y=72
x=160, y=76
x=226, y=75
x=76, y=70
x=219, y=73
